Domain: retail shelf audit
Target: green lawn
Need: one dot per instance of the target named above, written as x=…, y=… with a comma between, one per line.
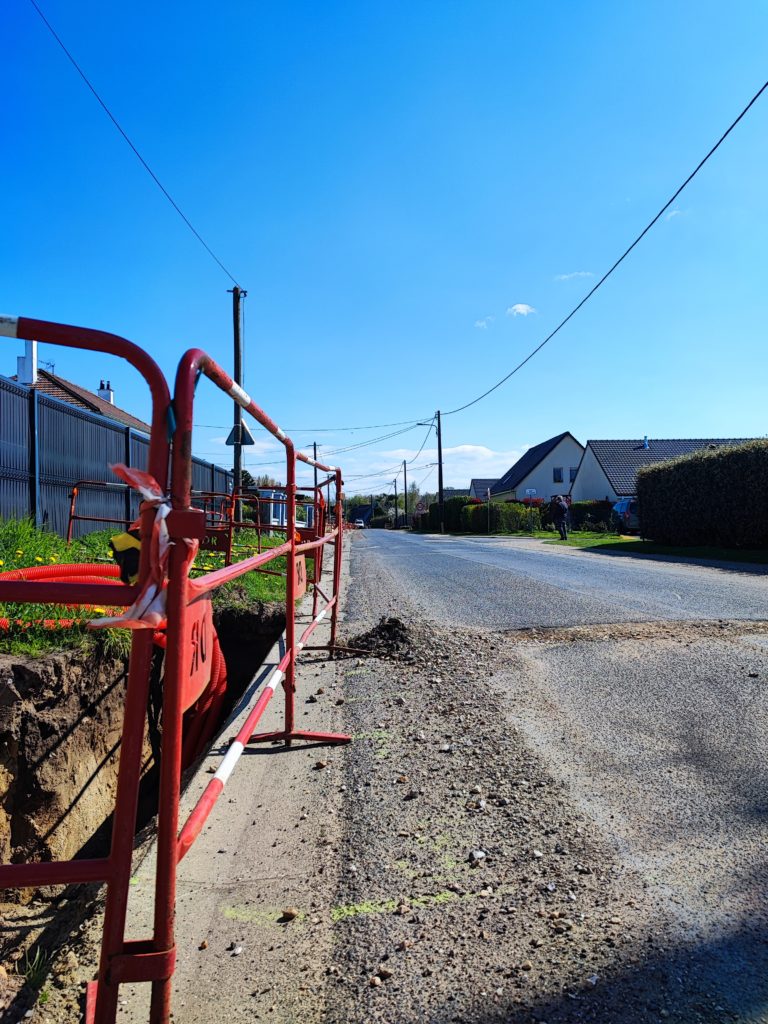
x=22, y=546
x=614, y=544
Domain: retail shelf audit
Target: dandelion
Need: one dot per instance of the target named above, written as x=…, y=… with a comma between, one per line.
x=19, y=552
x=2, y=562
x=38, y=558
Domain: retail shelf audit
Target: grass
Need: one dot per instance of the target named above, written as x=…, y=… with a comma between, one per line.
x=637, y=546
x=22, y=545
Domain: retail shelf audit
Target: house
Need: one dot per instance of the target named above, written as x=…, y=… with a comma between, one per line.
x=479, y=487
x=102, y=403
x=455, y=492
x=545, y=470
x=608, y=469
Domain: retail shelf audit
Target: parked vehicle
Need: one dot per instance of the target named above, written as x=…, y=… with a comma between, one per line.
x=359, y=524
x=626, y=516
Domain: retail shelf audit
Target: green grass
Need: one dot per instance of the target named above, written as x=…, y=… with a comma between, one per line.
x=590, y=540
x=635, y=546
x=23, y=546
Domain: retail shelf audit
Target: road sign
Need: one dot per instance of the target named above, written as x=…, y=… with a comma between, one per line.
x=246, y=437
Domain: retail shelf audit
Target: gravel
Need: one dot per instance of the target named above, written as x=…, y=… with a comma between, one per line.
x=487, y=883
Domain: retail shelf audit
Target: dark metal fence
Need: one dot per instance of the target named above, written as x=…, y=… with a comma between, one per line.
x=47, y=445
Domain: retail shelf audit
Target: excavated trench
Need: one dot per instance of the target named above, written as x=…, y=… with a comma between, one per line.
x=61, y=720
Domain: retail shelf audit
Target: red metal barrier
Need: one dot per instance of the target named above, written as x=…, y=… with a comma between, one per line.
x=190, y=661
x=120, y=960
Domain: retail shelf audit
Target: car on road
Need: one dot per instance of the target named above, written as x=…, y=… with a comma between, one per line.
x=625, y=515
x=359, y=524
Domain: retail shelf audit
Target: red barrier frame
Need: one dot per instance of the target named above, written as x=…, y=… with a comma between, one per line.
x=188, y=608
x=120, y=960
x=184, y=596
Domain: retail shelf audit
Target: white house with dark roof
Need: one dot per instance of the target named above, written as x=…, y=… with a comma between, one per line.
x=545, y=470
x=608, y=469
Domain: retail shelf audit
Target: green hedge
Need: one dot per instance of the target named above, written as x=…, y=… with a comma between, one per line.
x=504, y=517
x=716, y=496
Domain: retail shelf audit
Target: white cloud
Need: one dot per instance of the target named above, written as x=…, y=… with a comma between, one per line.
x=673, y=213
x=483, y=324
x=575, y=273
x=520, y=309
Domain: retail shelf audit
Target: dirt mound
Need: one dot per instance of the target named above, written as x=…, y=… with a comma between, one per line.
x=390, y=638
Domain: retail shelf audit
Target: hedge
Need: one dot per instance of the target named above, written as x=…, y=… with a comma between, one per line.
x=716, y=496
x=505, y=518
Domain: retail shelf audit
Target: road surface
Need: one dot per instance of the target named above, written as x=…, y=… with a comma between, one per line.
x=658, y=725
x=505, y=583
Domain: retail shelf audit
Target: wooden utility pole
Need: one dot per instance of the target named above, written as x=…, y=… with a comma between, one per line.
x=237, y=295
x=440, y=496
x=405, y=491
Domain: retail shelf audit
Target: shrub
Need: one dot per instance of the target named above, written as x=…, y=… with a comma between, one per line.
x=714, y=496
x=505, y=517
x=378, y=522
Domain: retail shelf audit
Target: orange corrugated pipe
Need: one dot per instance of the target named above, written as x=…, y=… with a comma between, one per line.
x=57, y=572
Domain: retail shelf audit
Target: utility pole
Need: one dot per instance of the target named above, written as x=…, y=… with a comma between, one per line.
x=395, y=483
x=440, y=496
x=237, y=295
x=405, y=492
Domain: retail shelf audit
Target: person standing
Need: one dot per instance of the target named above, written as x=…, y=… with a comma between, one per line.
x=560, y=515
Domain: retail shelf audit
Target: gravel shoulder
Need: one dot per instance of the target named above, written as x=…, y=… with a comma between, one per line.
x=481, y=879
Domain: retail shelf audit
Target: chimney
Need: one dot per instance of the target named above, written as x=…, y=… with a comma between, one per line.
x=645, y=443
x=26, y=365
x=106, y=393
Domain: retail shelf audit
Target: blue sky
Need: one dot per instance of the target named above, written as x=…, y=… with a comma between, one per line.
x=388, y=180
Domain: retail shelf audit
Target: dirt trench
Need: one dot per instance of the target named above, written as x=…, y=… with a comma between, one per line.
x=61, y=721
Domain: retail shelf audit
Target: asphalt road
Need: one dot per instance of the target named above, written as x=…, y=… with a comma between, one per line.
x=502, y=583
x=661, y=735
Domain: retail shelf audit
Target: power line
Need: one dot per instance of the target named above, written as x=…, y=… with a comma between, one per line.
x=140, y=158
x=426, y=438
x=321, y=430
x=621, y=258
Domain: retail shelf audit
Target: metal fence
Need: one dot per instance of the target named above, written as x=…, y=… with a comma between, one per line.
x=47, y=445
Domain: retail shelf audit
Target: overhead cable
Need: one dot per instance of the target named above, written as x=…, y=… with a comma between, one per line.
x=138, y=155
x=620, y=260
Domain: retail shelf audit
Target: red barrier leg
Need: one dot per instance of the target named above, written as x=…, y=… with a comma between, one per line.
x=124, y=824
x=177, y=662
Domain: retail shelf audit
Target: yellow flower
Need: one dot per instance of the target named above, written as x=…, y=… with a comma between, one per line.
x=100, y=610
x=38, y=558
x=2, y=562
x=18, y=552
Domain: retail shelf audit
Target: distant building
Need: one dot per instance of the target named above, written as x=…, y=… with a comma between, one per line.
x=103, y=403
x=479, y=487
x=608, y=469
x=455, y=492
x=545, y=470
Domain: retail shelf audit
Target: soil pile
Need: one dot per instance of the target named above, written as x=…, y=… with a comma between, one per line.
x=390, y=638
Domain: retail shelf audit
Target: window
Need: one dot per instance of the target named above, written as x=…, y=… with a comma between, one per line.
x=574, y=470
x=557, y=474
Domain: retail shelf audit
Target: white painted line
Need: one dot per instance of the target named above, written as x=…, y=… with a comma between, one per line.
x=9, y=326
x=230, y=760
